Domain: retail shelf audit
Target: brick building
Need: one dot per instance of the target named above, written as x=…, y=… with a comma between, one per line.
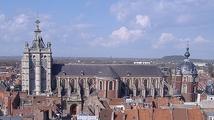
x=184, y=79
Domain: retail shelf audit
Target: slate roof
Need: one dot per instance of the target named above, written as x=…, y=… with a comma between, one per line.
x=10, y=118
x=107, y=70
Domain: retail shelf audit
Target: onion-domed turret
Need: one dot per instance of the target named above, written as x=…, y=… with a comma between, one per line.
x=187, y=67
x=187, y=54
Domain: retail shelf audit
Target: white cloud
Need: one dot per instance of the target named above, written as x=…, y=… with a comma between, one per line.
x=2, y=17
x=143, y=21
x=181, y=19
x=19, y=28
x=120, y=36
x=164, y=39
x=82, y=26
x=200, y=40
x=120, y=10
x=124, y=34
x=12, y=28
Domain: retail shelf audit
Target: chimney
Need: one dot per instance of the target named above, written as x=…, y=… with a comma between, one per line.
x=198, y=98
x=112, y=115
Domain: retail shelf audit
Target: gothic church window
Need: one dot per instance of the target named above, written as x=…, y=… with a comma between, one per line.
x=145, y=83
x=101, y=85
x=110, y=85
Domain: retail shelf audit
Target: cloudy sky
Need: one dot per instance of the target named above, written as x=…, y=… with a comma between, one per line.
x=110, y=28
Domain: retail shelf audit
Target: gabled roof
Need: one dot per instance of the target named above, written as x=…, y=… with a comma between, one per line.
x=131, y=114
x=145, y=114
x=195, y=114
x=106, y=114
x=162, y=114
x=179, y=114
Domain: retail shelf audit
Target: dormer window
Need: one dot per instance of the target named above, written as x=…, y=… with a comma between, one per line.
x=128, y=74
x=82, y=73
x=64, y=73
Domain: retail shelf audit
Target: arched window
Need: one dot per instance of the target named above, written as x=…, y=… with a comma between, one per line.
x=73, y=109
x=127, y=82
x=110, y=85
x=62, y=84
x=101, y=85
x=145, y=83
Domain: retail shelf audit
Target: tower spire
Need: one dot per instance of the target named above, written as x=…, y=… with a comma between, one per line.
x=187, y=53
x=37, y=30
x=38, y=42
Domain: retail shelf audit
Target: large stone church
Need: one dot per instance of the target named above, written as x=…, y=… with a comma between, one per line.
x=41, y=77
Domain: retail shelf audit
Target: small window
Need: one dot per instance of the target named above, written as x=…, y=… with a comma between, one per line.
x=184, y=88
x=145, y=83
x=101, y=85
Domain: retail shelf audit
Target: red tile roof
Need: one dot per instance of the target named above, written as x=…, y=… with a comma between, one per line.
x=162, y=114
x=116, y=101
x=195, y=114
x=145, y=114
x=131, y=114
x=179, y=114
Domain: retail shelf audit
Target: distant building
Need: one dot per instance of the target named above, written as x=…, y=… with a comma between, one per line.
x=200, y=64
x=143, y=62
x=86, y=117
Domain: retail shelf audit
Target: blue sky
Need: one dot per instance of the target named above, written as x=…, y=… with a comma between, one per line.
x=110, y=28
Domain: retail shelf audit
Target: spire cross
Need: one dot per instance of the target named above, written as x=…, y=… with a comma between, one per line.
x=188, y=44
x=37, y=24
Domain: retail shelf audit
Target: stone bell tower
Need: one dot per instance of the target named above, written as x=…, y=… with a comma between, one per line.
x=36, y=65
